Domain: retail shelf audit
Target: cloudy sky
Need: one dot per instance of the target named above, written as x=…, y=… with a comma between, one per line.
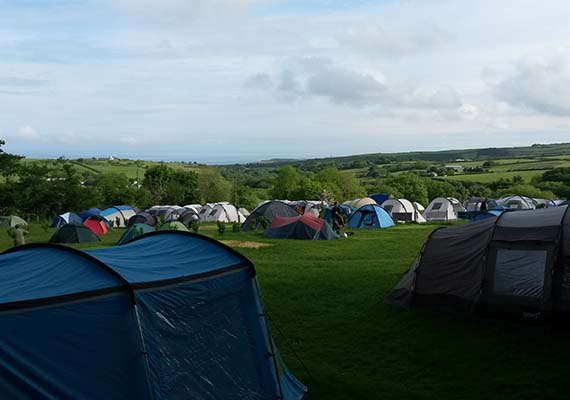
x=242, y=80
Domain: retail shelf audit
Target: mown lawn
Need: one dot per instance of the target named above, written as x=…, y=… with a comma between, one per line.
x=327, y=300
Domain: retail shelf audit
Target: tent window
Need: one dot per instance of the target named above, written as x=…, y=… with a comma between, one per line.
x=389, y=208
x=203, y=211
x=437, y=206
x=213, y=212
x=520, y=273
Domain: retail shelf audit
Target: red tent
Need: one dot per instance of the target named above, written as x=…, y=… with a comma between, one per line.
x=97, y=226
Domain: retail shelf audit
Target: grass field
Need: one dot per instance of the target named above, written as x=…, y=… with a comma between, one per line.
x=327, y=299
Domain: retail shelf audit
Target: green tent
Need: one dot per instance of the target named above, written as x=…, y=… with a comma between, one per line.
x=70, y=233
x=11, y=221
x=173, y=226
x=134, y=231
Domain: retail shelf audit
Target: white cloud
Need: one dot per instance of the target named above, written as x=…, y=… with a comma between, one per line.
x=311, y=78
x=377, y=41
x=28, y=134
x=539, y=85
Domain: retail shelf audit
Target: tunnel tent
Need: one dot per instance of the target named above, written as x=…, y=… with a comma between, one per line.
x=224, y=212
x=189, y=216
x=403, y=210
x=127, y=322
x=476, y=206
x=370, y=216
x=134, y=231
x=74, y=233
x=443, y=209
x=205, y=210
x=516, y=202
x=11, y=221
x=118, y=216
x=66, y=218
x=268, y=210
x=516, y=262
x=304, y=227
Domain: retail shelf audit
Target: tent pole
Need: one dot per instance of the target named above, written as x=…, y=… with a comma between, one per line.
x=143, y=350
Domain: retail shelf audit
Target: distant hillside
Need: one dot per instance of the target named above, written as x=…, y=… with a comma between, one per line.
x=491, y=153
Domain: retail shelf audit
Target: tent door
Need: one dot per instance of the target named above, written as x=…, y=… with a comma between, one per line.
x=519, y=274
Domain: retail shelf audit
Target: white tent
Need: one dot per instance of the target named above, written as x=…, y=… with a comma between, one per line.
x=224, y=212
x=205, y=210
x=195, y=207
x=443, y=209
x=403, y=210
x=419, y=207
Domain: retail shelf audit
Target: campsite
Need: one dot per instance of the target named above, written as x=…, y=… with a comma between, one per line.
x=284, y=200
x=337, y=335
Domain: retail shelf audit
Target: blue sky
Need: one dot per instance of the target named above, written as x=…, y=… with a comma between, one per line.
x=244, y=80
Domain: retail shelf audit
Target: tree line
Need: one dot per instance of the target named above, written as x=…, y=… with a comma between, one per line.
x=46, y=188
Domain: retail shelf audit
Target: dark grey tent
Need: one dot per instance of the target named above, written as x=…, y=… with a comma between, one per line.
x=71, y=233
x=519, y=261
x=269, y=210
x=143, y=218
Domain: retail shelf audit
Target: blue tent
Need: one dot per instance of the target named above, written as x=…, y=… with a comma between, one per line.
x=370, y=216
x=88, y=213
x=170, y=315
x=66, y=218
x=488, y=214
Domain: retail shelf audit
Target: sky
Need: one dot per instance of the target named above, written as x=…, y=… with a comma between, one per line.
x=221, y=81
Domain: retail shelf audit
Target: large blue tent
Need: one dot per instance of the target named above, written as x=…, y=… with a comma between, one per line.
x=66, y=218
x=370, y=216
x=171, y=315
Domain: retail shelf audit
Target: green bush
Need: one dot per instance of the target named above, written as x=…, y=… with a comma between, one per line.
x=236, y=227
x=221, y=227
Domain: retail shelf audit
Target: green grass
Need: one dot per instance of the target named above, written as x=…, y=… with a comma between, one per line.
x=327, y=298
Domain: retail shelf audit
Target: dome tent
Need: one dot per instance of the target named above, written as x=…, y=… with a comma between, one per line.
x=370, y=216
x=518, y=261
x=143, y=217
x=73, y=234
x=134, y=231
x=403, y=210
x=66, y=218
x=268, y=210
x=443, y=209
x=97, y=224
x=130, y=332
x=173, y=226
x=306, y=227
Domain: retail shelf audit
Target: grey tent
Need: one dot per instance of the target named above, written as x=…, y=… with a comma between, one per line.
x=268, y=210
x=519, y=261
x=71, y=233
